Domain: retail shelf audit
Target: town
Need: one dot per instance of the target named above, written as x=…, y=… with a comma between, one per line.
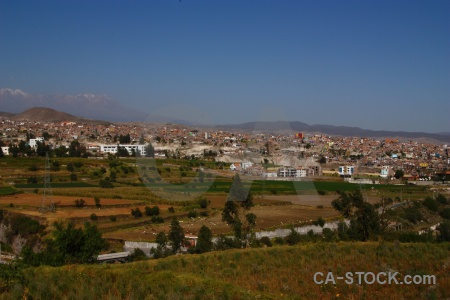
x=253, y=153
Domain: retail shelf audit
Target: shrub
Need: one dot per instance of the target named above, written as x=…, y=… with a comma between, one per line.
x=441, y=199
x=204, y=214
x=80, y=203
x=157, y=219
x=192, y=214
x=445, y=213
x=113, y=218
x=106, y=184
x=93, y=217
x=203, y=202
x=136, y=213
x=171, y=209
x=265, y=240
x=33, y=168
x=97, y=202
x=431, y=204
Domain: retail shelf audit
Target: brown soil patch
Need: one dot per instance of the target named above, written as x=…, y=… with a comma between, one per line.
x=36, y=200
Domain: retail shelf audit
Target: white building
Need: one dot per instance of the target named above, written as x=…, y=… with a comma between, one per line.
x=5, y=150
x=33, y=142
x=346, y=170
x=112, y=149
x=384, y=173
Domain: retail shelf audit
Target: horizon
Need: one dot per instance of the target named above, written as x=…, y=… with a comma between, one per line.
x=378, y=66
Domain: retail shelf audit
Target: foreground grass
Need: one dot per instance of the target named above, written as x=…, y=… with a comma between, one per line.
x=270, y=273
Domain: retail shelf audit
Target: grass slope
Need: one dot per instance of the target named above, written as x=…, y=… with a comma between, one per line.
x=270, y=273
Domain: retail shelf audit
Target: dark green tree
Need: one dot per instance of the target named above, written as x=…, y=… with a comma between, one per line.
x=150, y=151
x=444, y=231
x=204, y=242
x=162, y=250
x=365, y=222
x=399, y=174
x=235, y=212
x=75, y=149
x=176, y=235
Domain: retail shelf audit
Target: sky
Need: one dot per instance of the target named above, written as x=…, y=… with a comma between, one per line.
x=382, y=65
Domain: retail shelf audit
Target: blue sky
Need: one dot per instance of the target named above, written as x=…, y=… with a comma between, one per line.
x=371, y=64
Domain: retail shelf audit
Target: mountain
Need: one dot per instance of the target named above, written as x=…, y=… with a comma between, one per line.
x=84, y=105
x=43, y=114
x=335, y=130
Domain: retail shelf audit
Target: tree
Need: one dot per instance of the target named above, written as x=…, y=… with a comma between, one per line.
x=136, y=213
x=322, y=160
x=431, y=204
x=150, y=151
x=176, y=235
x=122, y=152
x=106, y=184
x=204, y=242
x=75, y=149
x=203, y=202
x=237, y=205
x=1, y=153
x=73, y=177
x=161, y=250
x=444, y=231
x=399, y=174
x=97, y=202
x=365, y=222
x=70, y=167
x=125, y=139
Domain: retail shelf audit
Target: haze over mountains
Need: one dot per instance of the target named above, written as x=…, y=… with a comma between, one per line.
x=83, y=107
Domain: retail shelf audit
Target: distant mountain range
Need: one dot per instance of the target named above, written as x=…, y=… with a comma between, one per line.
x=84, y=105
x=43, y=114
x=90, y=107
x=335, y=130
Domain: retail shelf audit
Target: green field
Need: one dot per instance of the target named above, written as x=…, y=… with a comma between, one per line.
x=7, y=190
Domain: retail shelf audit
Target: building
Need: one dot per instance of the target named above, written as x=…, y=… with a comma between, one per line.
x=33, y=142
x=346, y=171
x=385, y=172
x=5, y=150
x=112, y=149
x=287, y=172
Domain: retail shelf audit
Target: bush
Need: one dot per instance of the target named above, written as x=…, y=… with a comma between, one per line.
x=431, y=204
x=93, y=217
x=113, y=218
x=204, y=214
x=321, y=192
x=80, y=203
x=441, y=199
x=413, y=214
x=171, y=209
x=97, y=202
x=157, y=219
x=203, y=202
x=154, y=211
x=445, y=213
x=192, y=214
x=106, y=184
x=136, y=213
x=265, y=240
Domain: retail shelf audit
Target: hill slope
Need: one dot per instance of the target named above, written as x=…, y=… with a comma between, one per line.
x=334, y=130
x=270, y=273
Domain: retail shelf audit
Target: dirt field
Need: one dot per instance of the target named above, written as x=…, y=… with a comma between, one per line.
x=267, y=217
x=36, y=200
x=314, y=200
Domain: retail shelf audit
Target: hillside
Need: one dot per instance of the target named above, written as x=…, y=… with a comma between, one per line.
x=44, y=114
x=334, y=130
x=280, y=272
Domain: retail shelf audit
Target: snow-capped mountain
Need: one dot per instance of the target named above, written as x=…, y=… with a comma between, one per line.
x=90, y=106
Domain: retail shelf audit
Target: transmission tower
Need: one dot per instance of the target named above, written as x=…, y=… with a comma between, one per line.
x=47, y=196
